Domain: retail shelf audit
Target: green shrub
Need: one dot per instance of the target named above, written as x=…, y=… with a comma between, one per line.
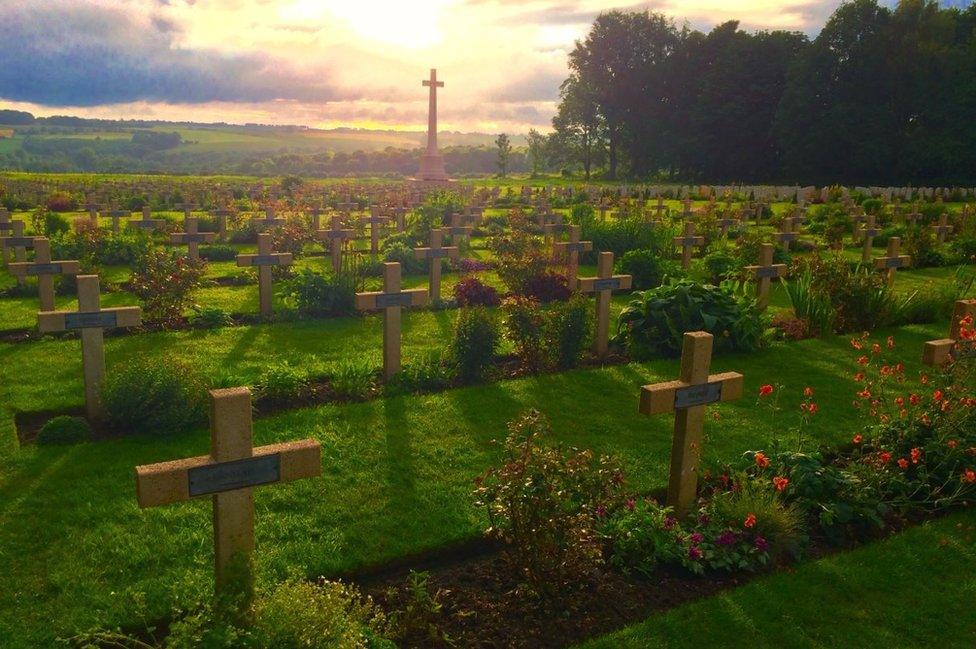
x=476, y=338
x=435, y=371
x=64, y=430
x=524, y=324
x=861, y=298
x=153, y=396
x=545, y=503
x=779, y=523
x=283, y=382
x=322, y=295
x=218, y=252
x=403, y=255
x=965, y=249
x=568, y=330
x=122, y=249
x=164, y=280
x=210, y=317
x=353, y=380
x=812, y=306
x=720, y=263
x=49, y=224
x=649, y=269
x=657, y=319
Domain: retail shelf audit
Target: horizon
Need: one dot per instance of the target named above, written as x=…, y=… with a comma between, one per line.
x=159, y=59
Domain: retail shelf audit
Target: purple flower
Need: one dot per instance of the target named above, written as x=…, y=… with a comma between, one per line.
x=728, y=537
x=601, y=511
x=631, y=503
x=694, y=553
x=669, y=522
x=703, y=519
x=696, y=538
x=761, y=544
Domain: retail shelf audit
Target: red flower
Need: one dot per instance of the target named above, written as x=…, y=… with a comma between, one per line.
x=812, y=408
x=916, y=455
x=875, y=348
x=903, y=463
x=899, y=401
x=885, y=457
x=969, y=476
x=858, y=439
x=780, y=483
x=952, y=443
x=862, y=360
x=855, y=343
x=761, y=460
x=913, y=399
x=765, y=390
x=750, y=521
x=891, y=342
x=937, y=395
x=808, y=391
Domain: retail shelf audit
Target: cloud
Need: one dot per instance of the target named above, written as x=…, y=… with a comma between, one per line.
x=72, y=53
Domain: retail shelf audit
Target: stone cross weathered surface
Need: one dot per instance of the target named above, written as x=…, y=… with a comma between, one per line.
x=571, y=250
x=147, y=223
x=269, y=220
x=375, y=222
x=942, y=229
x=937, y=352
x=456, y=229
x=787, y=235
x=5, y=227
x=764, y=273
x=92, y=320
x=117, y=216
x=18, y=243
x=336, y=236
x=92, y=209
x=222, y=215
x=432, y=162
x=434, y=254
x=391, y=300
x=603, y=284
x=868, y=232
x=192, y=238
x=892, y=261
x=687, y=242
x=44, y=269
x=687, y=398
x=228, y=475
x=187, y=209
x=264, y=260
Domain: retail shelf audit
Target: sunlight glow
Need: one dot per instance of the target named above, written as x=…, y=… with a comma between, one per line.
x=414, y=25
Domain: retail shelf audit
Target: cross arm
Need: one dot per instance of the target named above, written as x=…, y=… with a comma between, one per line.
x=23, y=268
x=899, y=261
x=125, y=316
x=451, y=252
x=169, y=482
x=273, y=259
x=613, y=283
x=379, y=300
x=668, y=396
x=774, y=270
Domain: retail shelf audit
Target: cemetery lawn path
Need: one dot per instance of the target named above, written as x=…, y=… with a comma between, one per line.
x=76, y=551
x=915, y=589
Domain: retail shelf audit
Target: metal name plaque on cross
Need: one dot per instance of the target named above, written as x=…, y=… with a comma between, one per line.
x=765, y=272
x=787, y=236
x=384, y=300
x=238, y=474
x=19, y=242
x=44, y=269
x=337, y=234
x=436, y=253
x=609, y=284
x=90, y=320
x=264, y=260
x=145, y=225
x=576, y=247
x=697, y=395
x=195, y=238
x=893, y=262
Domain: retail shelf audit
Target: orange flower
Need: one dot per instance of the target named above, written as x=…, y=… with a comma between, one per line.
x=913, y=399
x=969, y=476
x=891, y=342
x=859, y=377
x=808, y=391
x=903, y=463
x=916, y=455
x=952, y=443
x=885, y=457
x=750, y=521
x=967, y=321
x=858, y=439
x=862, y=360
x=761, y=460
x=875, y=348
x=780, y=483
x=937, y=395
x=765, y=390
x=812, y=408
x=855, y=343
x=899, y=401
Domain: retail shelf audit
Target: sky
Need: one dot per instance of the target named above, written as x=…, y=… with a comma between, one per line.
x=321, y=63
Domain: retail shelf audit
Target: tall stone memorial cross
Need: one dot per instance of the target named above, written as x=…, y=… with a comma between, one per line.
x=942, y=229
x=391, y=300
x=687, y=242
x=432, y=162
x=270, y=220
x=571, y=250
x=434, y=254
x=147, y=223
x=229, y=475
x=764, y=272
x=192, y=238
x=868, y=232
x=264, y=260
x=788, y=234
x=92, y=321
x=375, y=222
x=937, y=352
x=17, y=242
x=687, y=398
x=44, y=269
x=336, y=236
x=603, y=284
x=892, y=261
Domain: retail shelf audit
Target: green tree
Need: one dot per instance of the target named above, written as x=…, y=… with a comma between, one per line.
x=537, y=151
x=504, y=149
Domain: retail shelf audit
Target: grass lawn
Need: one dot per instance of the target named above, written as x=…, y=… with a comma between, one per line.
x=76, y=551
x=915, y=589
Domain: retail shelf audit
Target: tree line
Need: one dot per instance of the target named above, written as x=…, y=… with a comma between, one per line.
x=880, y=96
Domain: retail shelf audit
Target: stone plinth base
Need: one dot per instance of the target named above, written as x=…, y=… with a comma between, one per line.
x=432, y=167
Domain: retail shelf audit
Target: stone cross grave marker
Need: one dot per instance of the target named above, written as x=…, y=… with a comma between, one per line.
x=937, y=352
x=374, y=221
x=147, y=223
x=346, y=207
x=222, y=215
x=316, y=214
x=571, y=250
x=18, y=243
x=5, y=227
x=787, y=235
x=336, y=235
x=456, y=229
x=686, y=211
x=659, y=207
x=44, y=269
x=93, y=209
x=892, y=261
x=92, y=320
x=603, y=284
x=868, y=232
x=228, y=475
x=192, y=238
x=912, y=217
x=687, y=398
x=434, y=254
x=270, y=220
x=264, y=260
x=391, y=300
x=187, y=209
x=764, y=273
x=117, y=216
x=942, y=229
x=725, y=221
x=687, y=242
